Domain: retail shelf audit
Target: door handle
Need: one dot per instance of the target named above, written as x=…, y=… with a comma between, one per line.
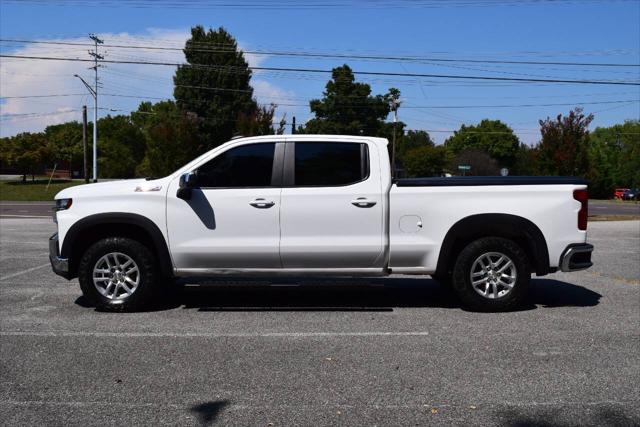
x=363, y=202
x=261, y=203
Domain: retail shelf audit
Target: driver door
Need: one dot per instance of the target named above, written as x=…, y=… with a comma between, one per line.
x=232, y=218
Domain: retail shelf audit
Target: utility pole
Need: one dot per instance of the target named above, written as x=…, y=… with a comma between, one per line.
x=293, y=125
x=84, y=144
x=394, y=104
x=96, y=57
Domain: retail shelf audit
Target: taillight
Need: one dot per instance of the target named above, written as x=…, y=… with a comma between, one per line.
x=583, y=197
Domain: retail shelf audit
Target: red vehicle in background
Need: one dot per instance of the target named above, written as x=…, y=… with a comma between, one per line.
x=618, y=192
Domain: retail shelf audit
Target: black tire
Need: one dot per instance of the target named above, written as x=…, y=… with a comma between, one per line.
x=461, y=280
x=146, y=262
x=444, y=279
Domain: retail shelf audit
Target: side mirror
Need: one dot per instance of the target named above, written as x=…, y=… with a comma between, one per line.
x=188, y=181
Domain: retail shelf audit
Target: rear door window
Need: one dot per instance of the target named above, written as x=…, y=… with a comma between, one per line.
x=328, y=164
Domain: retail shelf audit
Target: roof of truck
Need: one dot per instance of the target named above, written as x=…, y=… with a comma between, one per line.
x=313, y=137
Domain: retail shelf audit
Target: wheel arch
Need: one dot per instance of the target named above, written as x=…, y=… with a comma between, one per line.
x=521, y=230
x=90, y=229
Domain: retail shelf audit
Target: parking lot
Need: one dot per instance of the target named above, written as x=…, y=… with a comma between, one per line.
x=396, y=351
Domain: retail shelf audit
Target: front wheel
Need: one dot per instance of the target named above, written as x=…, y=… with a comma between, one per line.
x=491, y=274
x=442, y=279
x=118, y=274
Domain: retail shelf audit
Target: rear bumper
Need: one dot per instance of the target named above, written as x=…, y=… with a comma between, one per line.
x=59, y=265
x=576, y=257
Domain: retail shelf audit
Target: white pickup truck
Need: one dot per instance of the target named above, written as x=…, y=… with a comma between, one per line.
x=323, y=205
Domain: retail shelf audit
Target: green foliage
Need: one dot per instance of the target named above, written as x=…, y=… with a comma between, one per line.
x=259, y=122
x=412, y=139
x=563, y=149
x=65, y=141
x=25, y=152
x=405, y=145
x=121, y=147
x=425, y=160
x=171, y=137
x=227, y=95
x=490, y=136
x=602, y=168
x=482, y=164
x=348, y=108
x=526, y=161
x=614, y=154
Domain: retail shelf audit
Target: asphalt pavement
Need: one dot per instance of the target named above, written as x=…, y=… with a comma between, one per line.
x=613, y=207
x=397, y=351
x=25, y=209
x=43, y=209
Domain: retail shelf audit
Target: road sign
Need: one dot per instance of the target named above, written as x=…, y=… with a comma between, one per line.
x=504, y=171
x=464, y=167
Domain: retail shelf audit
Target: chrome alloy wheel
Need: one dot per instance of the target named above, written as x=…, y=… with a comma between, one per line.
x=493, y=275
x=116, y=276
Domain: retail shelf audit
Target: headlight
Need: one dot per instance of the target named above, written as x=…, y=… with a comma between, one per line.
x=63, y=204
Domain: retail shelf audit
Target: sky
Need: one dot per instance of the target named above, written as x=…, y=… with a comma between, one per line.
x=428, y=31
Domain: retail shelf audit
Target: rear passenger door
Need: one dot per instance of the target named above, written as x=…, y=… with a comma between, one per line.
x=331, y=213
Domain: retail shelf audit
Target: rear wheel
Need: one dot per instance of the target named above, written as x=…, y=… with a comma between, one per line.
x=118, y=274
x=491, y=274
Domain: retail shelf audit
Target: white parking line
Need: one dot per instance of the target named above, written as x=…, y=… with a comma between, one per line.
x=209, y=335
x=20, y=273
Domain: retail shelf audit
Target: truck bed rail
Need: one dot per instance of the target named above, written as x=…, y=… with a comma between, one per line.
x=456, y=181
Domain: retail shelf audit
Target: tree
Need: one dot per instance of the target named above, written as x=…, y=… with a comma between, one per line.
x=481, y=163
x=65, y=141
x=214, y=84
x=413, y=139
x=602, y=170
x=614, y=152
x=406, y=145
x=490, y=136
x=121, y=147
x=348, y=108
x=259, y=122
x=425, y=160
x=526, y=161
x=282, y=125
x=171, y=137
x=563, y=149
x=26, y=152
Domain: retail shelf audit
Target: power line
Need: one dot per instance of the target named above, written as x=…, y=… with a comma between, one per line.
x=314, y=70
x=21, y=115
x=332, y=55
x=42, y=96
x=576, y=103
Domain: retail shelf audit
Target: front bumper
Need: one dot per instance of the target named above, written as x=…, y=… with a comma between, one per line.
x=576, y=257
x=60, y=265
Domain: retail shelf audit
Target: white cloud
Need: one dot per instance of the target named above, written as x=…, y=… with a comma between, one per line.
x=285, y=100
x=20, y=77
